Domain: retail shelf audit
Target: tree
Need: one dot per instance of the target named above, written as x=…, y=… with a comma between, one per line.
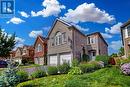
x=7, y=43
x=121, y=51
x=114, y=55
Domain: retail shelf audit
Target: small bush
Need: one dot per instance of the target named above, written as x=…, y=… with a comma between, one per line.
x=103, y=58
x=121, y=61
x=38, y=74
x=75, y=71
x=22, y=75
x=125, y=68
x=75, y=63
x=90, y=66
x=52, y=70
x=112, y=61
x=64, y=68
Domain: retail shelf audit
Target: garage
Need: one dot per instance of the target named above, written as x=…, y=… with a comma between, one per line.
x=65, y=58
x=53, y=60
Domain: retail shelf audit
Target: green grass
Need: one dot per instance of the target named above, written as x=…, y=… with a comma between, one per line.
x=107, y=77
x=29, y=66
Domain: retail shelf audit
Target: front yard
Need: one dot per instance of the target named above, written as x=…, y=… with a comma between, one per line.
x=106, y=77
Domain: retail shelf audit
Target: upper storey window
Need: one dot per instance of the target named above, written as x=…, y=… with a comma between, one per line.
x=91, y=40
x=39, y=48
x=59, y=38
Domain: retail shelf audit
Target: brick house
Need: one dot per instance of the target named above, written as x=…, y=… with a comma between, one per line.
x=125, y=33
x=26, y=52
x=96, y=45
x=40, y=53
x=66, y=42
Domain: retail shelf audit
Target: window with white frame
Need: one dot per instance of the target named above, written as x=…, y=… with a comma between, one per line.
x=63, y=37
x=91, y=40
x=59, y=38
x=38, y=48
x=128, y=30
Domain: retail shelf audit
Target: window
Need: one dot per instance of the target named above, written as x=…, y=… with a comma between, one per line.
x=128, y=29
x=94, y=53
x=59, y=38
x=38, y=48
x=91, y=40
x=63, y=37
x=88, y=40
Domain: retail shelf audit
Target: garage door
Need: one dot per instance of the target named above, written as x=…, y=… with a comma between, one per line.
x=53, y=60
x=65, y=58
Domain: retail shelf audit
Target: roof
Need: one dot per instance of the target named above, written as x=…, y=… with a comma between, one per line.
x=99, y=35
x=42, y=39
x=122, y=27
x=125, y=24
x=66, y=23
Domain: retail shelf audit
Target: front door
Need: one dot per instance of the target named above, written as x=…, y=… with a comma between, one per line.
x=93, y=55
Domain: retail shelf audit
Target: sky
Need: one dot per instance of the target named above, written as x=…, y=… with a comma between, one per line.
x=36, y=17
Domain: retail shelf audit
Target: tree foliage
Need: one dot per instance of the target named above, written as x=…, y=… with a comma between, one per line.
x=121, y=51
x=114, y=55
x=7, y=43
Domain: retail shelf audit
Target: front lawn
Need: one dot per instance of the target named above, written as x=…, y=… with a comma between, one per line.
x=106, y=77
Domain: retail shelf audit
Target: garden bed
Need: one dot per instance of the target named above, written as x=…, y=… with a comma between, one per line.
x=106, y=77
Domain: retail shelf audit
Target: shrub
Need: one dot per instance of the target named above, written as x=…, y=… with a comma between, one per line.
x=64, y=68
x=120, y=61
x=38, y=74
x=75, y=62
x=52, y=70
x=24, y=61
x=9, y=77
x=112, y=61
x=75, y=71
x=103, y=58
x=124, y=60
x=125, y=68
x=85, y=58
x=90, y=66
x=22, y=75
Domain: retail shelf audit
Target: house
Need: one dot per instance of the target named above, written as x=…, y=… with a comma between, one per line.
x=40, y=53
x=26, y=52
x=12, y=54
x=125, y=33
x=18, y=55
x=65, y=42
x=96, y=45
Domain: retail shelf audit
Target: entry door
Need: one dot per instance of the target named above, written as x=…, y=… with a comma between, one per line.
x=93, y=55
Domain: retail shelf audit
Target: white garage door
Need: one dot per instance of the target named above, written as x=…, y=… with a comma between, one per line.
x=53, y=60
x=65, y=58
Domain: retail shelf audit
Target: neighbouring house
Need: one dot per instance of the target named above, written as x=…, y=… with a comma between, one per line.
x=24, y=53
x=125, y=33
x=65, y=42
x=12, y=54
x=18, y=55
x=40, y=54
x=96, y=45
x=28, y=53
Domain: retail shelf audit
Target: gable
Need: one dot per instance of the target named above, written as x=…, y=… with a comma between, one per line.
x=38, y=41
x=59, y=25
